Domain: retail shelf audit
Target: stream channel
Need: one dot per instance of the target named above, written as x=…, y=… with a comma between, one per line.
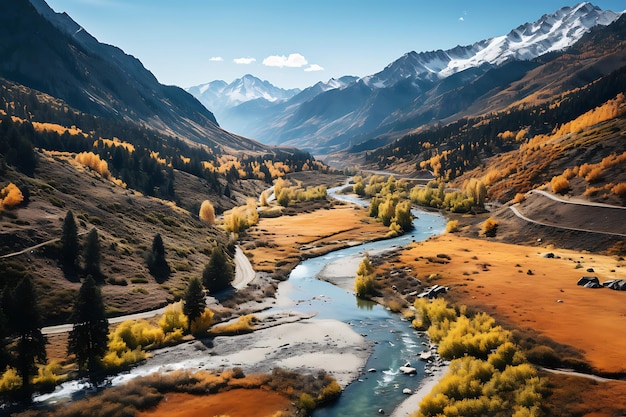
x=394, y=341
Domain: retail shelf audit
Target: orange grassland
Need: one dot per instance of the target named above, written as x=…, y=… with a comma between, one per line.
x=286, y=239
x=520, y=287
x=234, y=403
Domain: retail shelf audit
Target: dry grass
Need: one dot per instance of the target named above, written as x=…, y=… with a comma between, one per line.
x=285, y=240
x=520, y=287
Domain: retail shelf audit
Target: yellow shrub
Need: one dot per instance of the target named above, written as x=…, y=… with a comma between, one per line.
x=452, y=226
x=207, y=212
x=11, y=196
x=490, y=227
x=173, y=318
x=93, y=161
x=619, y=189
x=559, y=184
x=113, y=360
x=329, y=392
x=595, y=174
x=49, y=375
x=203, y=323
x=244, y=324
x=10, y=381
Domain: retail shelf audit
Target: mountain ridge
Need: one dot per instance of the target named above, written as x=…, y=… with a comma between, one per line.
x=51, y=53
x=377, y=104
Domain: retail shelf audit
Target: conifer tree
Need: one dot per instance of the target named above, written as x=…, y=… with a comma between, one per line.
x=194, y=301
x=92, y=254
x=89, y=336
x=156, y=258
x=219, y=272
x=69, y=242
x=30, y=347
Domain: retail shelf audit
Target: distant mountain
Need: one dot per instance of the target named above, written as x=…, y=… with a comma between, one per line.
x=218, y=95
x=243, y=105
x=49, y=52
x=417, y=88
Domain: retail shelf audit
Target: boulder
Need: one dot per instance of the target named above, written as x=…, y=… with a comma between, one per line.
x=583, y=281
x=408, y=370
x=407, y=391
x=615, y=284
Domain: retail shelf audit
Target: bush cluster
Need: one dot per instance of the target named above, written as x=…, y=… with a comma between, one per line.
x=240, y=218
x=488, y=374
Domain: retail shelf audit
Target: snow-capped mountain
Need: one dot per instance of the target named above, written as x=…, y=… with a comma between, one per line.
x=218, y=95
x=420, y=88
x=552, y=32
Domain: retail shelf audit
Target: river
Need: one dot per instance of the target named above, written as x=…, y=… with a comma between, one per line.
x=395, y=342
x=393, y=339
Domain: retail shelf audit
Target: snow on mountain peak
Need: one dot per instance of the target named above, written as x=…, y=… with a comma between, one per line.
x=552, y=32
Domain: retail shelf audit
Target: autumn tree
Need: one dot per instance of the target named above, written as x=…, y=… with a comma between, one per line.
x=91, y=254
x=207, y=212
x=69, y=242
x=219, y=272
x=10, y=196
x=403, y=216
x=30, y=347
x=88, y=338
x=364, y=284
x=194, y=301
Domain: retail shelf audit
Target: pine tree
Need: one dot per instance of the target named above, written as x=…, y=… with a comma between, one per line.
x=92, y=255
x=89, y=336
x=156, y=258
x=219, y=272
x=69, y=242
x=194, y=301
x=30, y=348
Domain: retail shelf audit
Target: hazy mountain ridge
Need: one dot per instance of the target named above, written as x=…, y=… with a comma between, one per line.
x=51, y=53
x=416, y=89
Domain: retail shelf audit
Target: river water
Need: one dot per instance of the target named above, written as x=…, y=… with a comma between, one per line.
x=395, y=342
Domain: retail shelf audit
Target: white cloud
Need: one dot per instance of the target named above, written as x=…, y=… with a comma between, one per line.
x=291, y=61
x=216, y=59
x=461, y=19
x=244, y=61
x=314, y=67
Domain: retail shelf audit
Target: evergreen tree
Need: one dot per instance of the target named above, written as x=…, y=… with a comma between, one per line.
x=30, y=348
x=194, y=301
x=92, y=254
x=219, y=272
x=156, y=258
x=89, y=336
x=69, y=242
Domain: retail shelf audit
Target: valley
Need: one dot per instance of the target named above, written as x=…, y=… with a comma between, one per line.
x=445, y=237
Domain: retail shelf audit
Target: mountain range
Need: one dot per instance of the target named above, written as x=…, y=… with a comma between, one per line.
x=51, y=53
x=416, y=89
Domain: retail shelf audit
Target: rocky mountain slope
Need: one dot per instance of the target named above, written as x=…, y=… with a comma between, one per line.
x=51, y=53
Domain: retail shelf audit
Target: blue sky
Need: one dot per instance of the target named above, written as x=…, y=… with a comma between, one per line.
x=293, y=43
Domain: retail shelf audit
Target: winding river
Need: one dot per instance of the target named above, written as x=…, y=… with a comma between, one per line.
x=395, y=341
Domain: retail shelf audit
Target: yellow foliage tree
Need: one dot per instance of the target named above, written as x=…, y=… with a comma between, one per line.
x=10, y=196
x=364, y=284
x=93, y=161
x=559, y=184
x=207, y=212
